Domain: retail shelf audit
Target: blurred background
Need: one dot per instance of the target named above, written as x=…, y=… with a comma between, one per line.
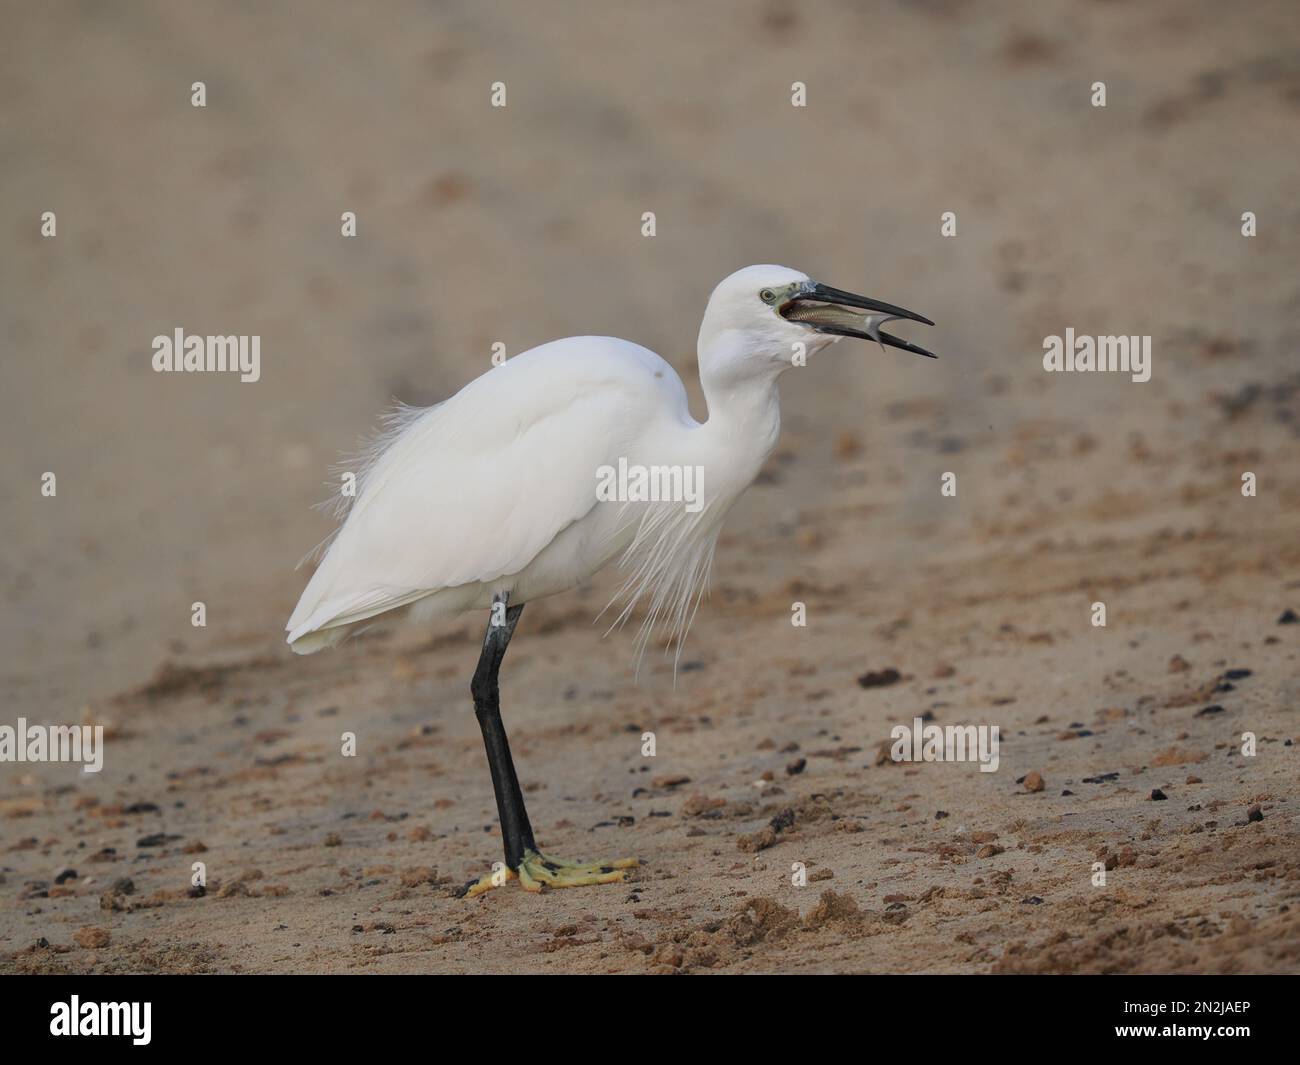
x=523, y=224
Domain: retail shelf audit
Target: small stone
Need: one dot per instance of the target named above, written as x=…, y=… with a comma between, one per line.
x=333, y=840
x=783, y=820
x=700, y=805
x=423, y=874
x=1193, y=779
x=882, y=679
x=1178, y=664
x=1289, y=617
x=1034, y=781
x=90, y=937
x=988, y=850
x=760, y=840
x=1255, y=813
x=1157, y=795
x=796, y=767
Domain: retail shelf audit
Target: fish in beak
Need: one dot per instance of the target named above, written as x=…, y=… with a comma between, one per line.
x=826, y=310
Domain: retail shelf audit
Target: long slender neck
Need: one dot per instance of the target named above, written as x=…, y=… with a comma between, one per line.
x=742, y=397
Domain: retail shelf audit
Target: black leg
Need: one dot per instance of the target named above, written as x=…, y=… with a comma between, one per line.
x=516, y=832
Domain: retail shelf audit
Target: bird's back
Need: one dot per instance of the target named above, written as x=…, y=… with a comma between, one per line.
x=471, y=491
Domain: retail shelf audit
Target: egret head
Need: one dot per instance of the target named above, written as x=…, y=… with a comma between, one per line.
x=766, y=315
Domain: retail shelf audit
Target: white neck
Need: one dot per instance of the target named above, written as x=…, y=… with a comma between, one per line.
x=744, y=404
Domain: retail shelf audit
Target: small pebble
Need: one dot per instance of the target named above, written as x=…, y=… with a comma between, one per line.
x=881, y=679
x=91, y=937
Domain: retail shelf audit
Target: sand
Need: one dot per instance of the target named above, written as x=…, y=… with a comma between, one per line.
x=524, y=224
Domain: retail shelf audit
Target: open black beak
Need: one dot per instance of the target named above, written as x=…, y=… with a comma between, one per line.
x=823, y=309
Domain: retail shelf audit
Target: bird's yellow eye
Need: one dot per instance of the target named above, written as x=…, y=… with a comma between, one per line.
x=767, y=295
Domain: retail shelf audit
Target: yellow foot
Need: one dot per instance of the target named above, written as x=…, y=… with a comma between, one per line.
x=536, y=871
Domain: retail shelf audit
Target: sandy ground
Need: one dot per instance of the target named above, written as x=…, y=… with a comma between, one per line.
x=523, y=224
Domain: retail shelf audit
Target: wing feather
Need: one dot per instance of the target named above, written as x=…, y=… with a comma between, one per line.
x=472, y=490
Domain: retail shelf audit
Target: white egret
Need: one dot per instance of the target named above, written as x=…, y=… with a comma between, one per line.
x=501, y=494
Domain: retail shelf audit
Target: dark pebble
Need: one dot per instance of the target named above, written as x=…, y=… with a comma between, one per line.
x=782, y=821
x=1157, y=795
x=882, y=679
